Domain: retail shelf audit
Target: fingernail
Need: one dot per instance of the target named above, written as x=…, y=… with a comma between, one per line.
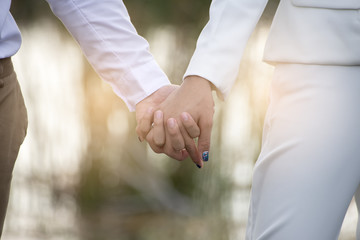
x=149, y=110
x=184, y=116
x=158, y=115
x=198, y=165
x=171, y=123
x=140, y=140
x=205, y=156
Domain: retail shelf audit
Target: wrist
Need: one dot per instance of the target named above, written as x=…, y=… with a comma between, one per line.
x=198, y=82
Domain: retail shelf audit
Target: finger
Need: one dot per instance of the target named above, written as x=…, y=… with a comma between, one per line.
x=177, y=155
x=180, y=137
x=204, y=138
x=175, y=137
x=150, y=139
x=190, y=125
x=191, y=148
x=144, y=124
x=184, y=153
x=159, y=130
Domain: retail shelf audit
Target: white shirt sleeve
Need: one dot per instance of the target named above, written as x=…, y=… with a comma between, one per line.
x=111, y=44
x=222, y=42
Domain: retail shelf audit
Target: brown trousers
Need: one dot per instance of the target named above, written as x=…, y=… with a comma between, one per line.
x=13, y=125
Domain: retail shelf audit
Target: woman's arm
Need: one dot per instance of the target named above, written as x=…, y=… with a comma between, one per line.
x=221, y=43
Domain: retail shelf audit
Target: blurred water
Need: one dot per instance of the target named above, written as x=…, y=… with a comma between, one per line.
x=50, y=67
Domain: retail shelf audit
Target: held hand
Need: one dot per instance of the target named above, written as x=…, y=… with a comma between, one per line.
x=187, y=107
x=178, y=149
x=145, y=109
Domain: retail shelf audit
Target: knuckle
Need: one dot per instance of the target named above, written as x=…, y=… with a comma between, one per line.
x=159, y=142
x=137, y=130
x=156, y=150
x=189, y=147
x=177, y=146
x=188, y=124
x=204, y=144
x=173, y=133
x=195, y=132
x=157, y=121
x=191, y=127
x=142, y=126
x=143, y=132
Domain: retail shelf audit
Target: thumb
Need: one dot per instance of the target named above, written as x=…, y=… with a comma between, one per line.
x=204, y=138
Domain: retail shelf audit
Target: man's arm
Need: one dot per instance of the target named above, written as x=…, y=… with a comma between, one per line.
x=111, y=44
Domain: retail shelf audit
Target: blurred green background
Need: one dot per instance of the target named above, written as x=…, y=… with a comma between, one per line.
x=82, y=173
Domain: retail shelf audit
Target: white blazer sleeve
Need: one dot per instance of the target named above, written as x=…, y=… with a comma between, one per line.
x=111, y=44
x=222, y=41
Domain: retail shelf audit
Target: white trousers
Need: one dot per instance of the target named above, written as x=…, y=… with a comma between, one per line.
x=309, y=166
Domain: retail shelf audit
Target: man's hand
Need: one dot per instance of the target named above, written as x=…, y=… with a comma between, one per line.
x=145, y=109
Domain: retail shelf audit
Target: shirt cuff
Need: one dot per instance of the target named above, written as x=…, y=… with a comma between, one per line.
x=138, y=83
x=203, y=66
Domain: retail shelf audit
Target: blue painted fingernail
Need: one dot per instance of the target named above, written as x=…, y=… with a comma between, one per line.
x=198, y=165
x=205, y=156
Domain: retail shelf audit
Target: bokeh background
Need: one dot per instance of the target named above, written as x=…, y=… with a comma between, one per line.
x=81, y=172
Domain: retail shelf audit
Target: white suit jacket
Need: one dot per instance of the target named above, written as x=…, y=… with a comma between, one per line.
x=303, y=31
